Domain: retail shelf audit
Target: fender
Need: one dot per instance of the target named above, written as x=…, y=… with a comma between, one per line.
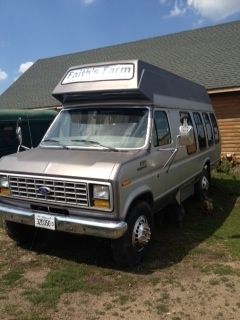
x=136, y=193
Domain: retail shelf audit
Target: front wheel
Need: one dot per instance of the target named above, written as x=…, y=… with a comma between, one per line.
x=130, y=248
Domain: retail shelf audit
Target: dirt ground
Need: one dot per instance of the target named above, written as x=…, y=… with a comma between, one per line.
x=205, y=284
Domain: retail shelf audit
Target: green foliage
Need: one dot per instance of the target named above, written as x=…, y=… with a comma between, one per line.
x=224, y=166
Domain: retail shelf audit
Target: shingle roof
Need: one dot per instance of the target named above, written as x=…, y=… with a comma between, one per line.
x=209, y=56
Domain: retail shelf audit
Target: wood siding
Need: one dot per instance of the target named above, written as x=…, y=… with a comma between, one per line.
x=227, y=108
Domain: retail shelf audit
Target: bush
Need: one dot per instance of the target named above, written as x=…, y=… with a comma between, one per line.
x=224, y=166
x=229, y=165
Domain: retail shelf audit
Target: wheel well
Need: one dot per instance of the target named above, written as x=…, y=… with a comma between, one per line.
x=144, y=197
x=207, y=166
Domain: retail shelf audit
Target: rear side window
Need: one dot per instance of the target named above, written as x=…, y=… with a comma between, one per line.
x=200, y=131
x=208, y=127
x=161, y=131
x=193, y=147
x=215, y=128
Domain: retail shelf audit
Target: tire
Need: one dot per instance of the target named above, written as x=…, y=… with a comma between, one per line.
x=204, y=183
x=130, y=248
x=20, y=233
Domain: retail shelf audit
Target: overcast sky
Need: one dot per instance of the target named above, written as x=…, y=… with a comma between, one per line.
x=37, y=29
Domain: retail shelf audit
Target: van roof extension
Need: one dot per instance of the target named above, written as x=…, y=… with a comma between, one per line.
x=129, y=79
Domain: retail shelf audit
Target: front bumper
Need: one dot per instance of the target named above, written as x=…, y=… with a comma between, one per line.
x=84, y=226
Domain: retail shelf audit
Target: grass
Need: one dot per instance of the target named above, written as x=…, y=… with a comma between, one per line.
x=220, y=228
x=162, y=308
x=68, y=278
x=10, y=309
x=10, y=278
x=84, y=266
x=123, y=299
x=221, y=270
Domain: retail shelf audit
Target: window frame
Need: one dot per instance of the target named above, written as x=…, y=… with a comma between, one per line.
x=201, y=148
x=154, y=129
x=193, y=147
x=211, y=127
x=212, y=116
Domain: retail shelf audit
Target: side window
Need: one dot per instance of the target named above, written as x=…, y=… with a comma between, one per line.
x=193, y=147
x=161, y=131
x=215, y=128
x=209, y=130
x=200, y=131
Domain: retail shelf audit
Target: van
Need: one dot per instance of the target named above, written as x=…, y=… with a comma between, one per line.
x=34, y=124
x=130, y=139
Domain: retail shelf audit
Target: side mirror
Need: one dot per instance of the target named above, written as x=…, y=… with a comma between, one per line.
x=19, y=131
x=19, y=135
x=186, y=133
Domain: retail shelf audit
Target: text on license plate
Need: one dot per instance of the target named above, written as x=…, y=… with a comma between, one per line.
x=45, y=221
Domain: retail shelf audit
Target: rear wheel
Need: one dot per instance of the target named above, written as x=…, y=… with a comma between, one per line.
x=130, y=249
x=203, y=185
x=19, y=232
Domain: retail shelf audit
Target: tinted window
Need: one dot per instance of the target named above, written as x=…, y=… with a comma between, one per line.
x=208, y=127
x=200, y=131
x=193, y=147
x=215, y=128
x=161, y=133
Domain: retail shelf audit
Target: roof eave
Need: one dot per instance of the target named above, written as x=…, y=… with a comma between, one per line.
x=223, y=90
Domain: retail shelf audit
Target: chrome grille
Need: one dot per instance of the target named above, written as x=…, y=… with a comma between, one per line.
x=60, y=191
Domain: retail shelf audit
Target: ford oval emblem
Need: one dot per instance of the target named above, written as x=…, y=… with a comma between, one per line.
x=45, y=191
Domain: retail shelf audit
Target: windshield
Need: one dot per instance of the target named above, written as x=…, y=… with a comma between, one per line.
x=110, y=128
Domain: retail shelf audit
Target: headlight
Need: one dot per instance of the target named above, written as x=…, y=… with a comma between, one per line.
x=4, y=186
x=101, y=197
x=101, y=192
x=4, y=182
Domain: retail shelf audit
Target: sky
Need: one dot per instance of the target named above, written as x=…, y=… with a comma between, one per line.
x=36, y=29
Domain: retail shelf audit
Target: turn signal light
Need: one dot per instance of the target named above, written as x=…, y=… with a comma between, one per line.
x=101, y=203
x=5, y=192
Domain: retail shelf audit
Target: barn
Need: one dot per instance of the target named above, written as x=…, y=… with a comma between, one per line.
x=209, y=56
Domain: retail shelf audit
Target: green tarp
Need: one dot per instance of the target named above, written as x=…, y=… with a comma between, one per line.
x=34, y=125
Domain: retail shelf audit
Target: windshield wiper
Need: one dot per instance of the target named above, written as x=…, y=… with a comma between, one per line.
x=55, y=140
x=96, y=143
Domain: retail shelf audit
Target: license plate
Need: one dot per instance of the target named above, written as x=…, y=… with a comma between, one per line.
x=45, y=221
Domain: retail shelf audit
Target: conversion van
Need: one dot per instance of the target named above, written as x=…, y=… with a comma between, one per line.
x=131, y=137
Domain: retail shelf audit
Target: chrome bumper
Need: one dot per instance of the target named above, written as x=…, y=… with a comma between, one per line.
x=78, y=225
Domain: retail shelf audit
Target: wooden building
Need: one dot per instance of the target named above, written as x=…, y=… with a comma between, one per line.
x=209, y=56
x=227, y=108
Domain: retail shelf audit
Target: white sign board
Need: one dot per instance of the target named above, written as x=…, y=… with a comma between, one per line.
x=100, y=73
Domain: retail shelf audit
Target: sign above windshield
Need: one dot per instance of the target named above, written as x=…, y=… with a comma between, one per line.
x=100, y=73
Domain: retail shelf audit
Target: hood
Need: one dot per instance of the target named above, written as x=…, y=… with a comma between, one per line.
x=89, y=164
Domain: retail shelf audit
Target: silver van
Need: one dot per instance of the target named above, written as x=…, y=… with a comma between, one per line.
x=130, y=139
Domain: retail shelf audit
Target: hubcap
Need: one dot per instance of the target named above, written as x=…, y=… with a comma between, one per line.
x=141, y=233
x=205, y=183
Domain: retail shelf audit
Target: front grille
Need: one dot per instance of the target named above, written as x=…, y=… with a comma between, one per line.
x=60, y=191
